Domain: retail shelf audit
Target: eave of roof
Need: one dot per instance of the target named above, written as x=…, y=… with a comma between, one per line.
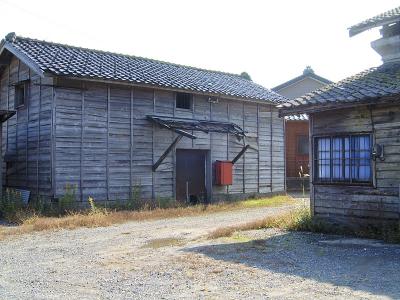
x=382, y=19
x=75, y=62
x=287, y=111
x=375, y=85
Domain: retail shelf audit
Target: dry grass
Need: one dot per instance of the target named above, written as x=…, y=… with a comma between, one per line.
x=298, y=220
x=164, y=242
x=301, y=220
x=102, y=217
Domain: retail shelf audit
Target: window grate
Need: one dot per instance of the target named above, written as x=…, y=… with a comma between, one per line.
x=343, y=159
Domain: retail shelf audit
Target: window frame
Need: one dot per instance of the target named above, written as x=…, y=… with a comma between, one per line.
x=190, y=101
x=19, y=85
x=317, y=181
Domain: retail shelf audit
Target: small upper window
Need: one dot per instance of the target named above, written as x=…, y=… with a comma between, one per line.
x=183, y=100
x=302, y=145
x=20, y=95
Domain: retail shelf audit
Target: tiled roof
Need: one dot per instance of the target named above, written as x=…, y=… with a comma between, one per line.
x=64, y=60
x=379, y=20
x=307, y=73
x=369, y=86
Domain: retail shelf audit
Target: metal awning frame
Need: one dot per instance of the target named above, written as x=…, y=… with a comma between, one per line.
x=180, y=125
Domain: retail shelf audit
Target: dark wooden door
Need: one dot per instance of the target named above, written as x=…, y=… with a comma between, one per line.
x=191, y=175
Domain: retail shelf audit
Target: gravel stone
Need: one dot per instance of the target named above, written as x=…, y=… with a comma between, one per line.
x=118, y=262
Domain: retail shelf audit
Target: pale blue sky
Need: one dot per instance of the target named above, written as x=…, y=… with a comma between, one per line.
x=272, y=40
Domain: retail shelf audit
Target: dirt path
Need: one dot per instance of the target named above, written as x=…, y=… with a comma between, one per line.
x=171, y=259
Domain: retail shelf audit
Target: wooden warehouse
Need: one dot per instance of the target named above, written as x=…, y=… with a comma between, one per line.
x=355, y=130
x=107, y=123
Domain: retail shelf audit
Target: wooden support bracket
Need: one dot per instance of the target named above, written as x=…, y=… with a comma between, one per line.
x=166, y=152
x=240, y=154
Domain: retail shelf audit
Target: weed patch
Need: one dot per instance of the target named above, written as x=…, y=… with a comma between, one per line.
x=164, y=242
x=98, y=217
x=301, y=220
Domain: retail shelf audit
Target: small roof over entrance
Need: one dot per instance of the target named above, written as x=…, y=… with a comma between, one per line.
x=180, y=124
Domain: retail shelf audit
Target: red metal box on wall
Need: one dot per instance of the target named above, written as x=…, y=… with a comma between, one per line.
x=223, y=172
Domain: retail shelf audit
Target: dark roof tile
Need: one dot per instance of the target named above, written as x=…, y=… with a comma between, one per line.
x=64, y=60
x=379, y=20
x=374, y=83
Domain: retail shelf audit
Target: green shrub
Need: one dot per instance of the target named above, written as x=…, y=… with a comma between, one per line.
x=135, y=200
x=165, y=202
x=10, y=204
x=67, y=201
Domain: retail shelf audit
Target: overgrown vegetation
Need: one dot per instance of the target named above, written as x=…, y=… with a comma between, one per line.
x=66, y=202
x=11, y=204
x=14, y=210
x=301, y=220
x=135, y=200
x=30, y=220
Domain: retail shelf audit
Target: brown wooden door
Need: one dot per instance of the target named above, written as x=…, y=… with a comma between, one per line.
x=191, y=175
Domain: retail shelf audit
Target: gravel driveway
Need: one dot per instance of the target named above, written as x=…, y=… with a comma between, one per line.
x=171, y=259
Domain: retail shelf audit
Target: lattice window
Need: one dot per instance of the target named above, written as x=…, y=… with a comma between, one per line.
x=344, y=159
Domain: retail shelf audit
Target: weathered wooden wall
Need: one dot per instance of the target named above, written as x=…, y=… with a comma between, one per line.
x=26, y=139
x=96, y=137
x=105, y=145
x=360, y=204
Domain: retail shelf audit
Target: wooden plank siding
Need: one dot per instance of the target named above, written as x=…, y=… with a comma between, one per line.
x=26, y=145
x=373, y=204
x=133, y=143
x=96, y=137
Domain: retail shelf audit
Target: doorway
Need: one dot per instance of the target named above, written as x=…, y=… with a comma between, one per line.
x=191, y=176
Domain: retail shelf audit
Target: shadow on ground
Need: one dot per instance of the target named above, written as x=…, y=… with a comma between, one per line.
x=361, y=268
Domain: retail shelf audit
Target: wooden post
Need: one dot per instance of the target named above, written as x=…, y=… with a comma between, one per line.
x=153, y=179
x=53, y=141
x=284, y=155
x=244, y=156
x=131, y=148
x=38, y=138
x=227, y=140
x=27, y=103
x=311, y=160
x=82, y=139
x=258, y=147
x=270, y=145
x=211, y=159
x=108, y=146
x=18, y=175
